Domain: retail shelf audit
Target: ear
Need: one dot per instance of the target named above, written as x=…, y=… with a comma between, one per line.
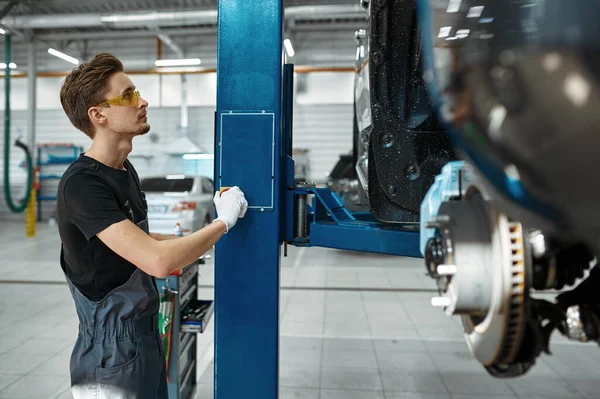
x=96, y=116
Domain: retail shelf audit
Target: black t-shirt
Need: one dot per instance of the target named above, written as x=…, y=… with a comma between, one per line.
x=91, y=197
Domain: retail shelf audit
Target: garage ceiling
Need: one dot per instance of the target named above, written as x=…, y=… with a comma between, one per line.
x=45, y=17
x=322, y=31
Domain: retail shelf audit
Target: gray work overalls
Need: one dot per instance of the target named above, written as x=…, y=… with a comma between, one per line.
x=118, y=353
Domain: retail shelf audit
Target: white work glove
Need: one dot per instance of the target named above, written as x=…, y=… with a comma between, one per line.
x=230, y=205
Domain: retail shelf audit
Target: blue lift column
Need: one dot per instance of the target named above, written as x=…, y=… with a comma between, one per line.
x=247, y=154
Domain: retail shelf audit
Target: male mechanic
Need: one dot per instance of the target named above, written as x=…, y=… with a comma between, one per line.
x=107, y=254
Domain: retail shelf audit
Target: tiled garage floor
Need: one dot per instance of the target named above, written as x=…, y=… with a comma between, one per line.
x=352, y=326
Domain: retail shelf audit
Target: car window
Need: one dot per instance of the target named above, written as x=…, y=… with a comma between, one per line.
x=162, y=184
x=207, y=186
x=343, y=169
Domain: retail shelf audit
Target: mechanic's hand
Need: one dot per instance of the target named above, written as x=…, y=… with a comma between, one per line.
x=231, y=205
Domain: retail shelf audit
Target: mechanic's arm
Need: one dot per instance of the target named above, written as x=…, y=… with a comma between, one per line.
x=159, y=258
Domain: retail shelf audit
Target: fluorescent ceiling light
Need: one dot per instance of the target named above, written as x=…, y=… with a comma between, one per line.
x=198, y=156
x=178, y=69
x=63, y=56
x=153, y=16
x=2, y=31
x=445, y=31
x=175, y=177
x=12, y=65
x=179, y=62
x=288, y=47
x=486, y=20
x=462, y=33
x=452, y=38
x=453, y=5
x=475, y=12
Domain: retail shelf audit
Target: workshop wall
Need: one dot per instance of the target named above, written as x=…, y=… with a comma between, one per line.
x=322, y=124
x=312, y=47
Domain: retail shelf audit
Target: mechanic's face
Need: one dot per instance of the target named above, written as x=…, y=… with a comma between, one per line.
x=126, y=112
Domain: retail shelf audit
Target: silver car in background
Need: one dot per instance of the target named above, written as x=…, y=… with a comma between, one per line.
x=187, y=200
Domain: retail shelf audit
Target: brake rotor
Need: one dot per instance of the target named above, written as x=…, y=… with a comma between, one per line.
x=483, y=278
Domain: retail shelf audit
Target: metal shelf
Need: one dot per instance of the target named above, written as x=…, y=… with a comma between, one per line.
x=46, y=158
x=46, y=198
x=183, y=353
x=49, y=177
x=198, y=325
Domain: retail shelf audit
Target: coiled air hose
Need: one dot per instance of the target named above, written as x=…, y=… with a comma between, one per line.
x=7, y=195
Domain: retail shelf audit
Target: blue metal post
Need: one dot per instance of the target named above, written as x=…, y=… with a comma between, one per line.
x=247, y=154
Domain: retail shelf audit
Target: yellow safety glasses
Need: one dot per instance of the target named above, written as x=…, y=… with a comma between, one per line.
x=129, y=99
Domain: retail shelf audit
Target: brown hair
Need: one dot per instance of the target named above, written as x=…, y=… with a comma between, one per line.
x=85, y=87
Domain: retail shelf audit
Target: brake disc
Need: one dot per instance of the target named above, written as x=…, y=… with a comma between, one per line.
x=483, y=276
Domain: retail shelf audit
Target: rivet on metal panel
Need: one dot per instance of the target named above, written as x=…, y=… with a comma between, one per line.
x=387, y=140
x=231, y=112
x=262, y=209
x=263, y=111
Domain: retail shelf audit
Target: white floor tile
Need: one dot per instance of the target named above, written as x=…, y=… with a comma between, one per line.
x=41, y=346
x=10, y=342
x=18, y=364
x=65, y=395
x=362, y=359
x=301, y=329
x=56, y=366
x=396, y=361
x=413, y=381
x=356, y=337
x=420, y=395
x=299, y=377
x=313, y=344
x=549, y=386
x=477, y=396
x=8, y=379
x=399, y=345
x=348, y=344
x=345, y=316
x=479, y=383
x=300, y=358
x=298, y=393
x=351, y=379
x=32, y=386
x=347, y=329
x=347, y=394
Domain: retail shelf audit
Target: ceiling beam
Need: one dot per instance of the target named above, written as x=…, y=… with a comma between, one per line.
x=168, y=18
x=199, y=31
x=172, y=32
x=7, y=8
x=123, y=34
x=166, y=39
x=197, y=71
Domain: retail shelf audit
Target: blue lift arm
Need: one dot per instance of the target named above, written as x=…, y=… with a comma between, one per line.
x=329, y=224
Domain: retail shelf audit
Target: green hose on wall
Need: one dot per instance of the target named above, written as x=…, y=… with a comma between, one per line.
x=9, y=202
